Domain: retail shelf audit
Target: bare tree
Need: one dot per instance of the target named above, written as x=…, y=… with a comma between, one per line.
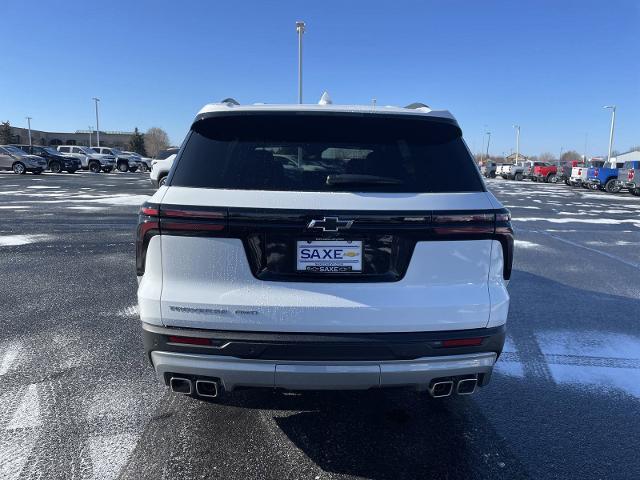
x=546, y=157
x=570, y=156
x=155, y=140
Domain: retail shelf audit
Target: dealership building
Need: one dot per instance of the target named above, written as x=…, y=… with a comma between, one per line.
x=79, y=137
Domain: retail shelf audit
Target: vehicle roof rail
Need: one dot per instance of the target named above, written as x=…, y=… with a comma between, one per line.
x=230, y=101
x=416, y=105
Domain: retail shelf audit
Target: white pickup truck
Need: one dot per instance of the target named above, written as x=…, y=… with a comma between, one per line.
x=579, y=173
x=517, y=171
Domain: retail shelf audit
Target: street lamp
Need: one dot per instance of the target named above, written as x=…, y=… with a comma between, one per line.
x=29, y=126
x=613, y=124
x=517, y=127
x=97, y=123
x=90, y=131
x=300, y=28
x=488, y=142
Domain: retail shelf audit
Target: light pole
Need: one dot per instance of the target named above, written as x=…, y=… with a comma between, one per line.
x=560, y=157
x=90, y=130
x=97, y=123
x=517, y=127
x=613, y=124
x=300, y=28
x=488, y=142
x=29, y=126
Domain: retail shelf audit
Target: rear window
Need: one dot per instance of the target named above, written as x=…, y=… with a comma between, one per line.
x=311, y=152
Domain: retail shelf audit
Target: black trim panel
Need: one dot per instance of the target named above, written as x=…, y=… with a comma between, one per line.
x=322, y=346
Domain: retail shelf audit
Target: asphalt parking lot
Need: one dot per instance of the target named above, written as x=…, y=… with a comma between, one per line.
x=80, y=401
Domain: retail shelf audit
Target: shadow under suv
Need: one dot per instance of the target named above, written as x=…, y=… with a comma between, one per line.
x=319, y=247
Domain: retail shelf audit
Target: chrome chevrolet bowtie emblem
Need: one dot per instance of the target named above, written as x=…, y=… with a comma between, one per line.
x=330, y=224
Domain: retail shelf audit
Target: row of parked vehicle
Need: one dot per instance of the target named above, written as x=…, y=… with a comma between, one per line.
x=70, y=158
x=594, y=174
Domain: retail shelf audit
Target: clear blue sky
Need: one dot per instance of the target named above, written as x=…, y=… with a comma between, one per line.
x=549, y=66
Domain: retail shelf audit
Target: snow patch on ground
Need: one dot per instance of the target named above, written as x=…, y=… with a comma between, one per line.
x=131, y=311
x=601, y=346
x=14, y=240
x=43, y=186
x=525, y=244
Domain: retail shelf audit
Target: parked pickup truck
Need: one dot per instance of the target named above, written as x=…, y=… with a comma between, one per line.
x=629, y=177
x=545, y=172
x=579, y=173
x=517, y=171
x=564, y=174
x=605, y=177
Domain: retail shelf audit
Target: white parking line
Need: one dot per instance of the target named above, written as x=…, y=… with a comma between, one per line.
x=11, y=352
x=28, y=413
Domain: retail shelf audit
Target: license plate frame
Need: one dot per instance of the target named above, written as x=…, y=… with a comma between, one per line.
x=340, y=256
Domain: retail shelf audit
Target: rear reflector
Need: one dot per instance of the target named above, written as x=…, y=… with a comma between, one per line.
x=189, y=340
x=462, y=342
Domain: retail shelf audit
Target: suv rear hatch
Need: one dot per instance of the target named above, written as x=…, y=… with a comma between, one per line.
x=331, y=223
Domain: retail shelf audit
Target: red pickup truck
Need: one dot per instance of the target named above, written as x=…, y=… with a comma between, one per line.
x=545, y=173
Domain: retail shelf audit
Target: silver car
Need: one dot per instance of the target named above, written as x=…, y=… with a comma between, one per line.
x=12, y=158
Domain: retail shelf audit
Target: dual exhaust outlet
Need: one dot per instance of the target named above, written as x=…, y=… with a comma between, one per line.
x=201, y=388
x=444, y=387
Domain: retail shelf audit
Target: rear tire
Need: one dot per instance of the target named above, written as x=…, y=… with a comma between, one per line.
x=518, y=177
x=133, y=169
x=162, y=181
x=123, y=167
x=55, y=167
x=612, y=186
x=19, y=168
x=95, y=167
x=552, y=178
x=635, y=191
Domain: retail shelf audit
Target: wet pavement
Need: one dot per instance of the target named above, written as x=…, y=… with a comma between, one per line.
x=80, y=401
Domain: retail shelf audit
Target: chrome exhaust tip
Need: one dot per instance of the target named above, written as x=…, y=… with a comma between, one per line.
x=466, y=386
x=207, y=388
x=181, y=385
x=442, y=388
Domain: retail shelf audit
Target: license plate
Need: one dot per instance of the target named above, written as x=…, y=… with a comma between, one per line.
x=329, y=256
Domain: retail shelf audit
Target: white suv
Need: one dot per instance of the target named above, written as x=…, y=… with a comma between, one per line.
x=318, y=247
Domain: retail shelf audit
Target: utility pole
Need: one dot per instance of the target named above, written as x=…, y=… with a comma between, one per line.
x=97, y=123
x=300, y=28
x=29, y=126
x=613, y=124
x=90, y=131
x=517, y=127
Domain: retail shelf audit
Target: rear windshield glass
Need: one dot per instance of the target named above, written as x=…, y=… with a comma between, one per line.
x=298, y=152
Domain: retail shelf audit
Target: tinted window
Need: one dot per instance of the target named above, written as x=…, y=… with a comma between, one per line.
x=64, y=149
x=301, y=152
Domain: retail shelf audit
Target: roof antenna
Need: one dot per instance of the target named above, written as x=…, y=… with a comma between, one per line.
x=325, y=99
x=230, y=101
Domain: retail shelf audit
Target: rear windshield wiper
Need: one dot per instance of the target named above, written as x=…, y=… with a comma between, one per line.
x=358, y=179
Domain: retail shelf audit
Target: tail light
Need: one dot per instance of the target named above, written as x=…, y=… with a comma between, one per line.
x=175, y=220
x=462, y=342
x=596, y=172
x=579, y=172
x=479, y=225
x=631, y=174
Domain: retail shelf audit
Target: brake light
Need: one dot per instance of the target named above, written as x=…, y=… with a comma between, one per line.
x=579, y=172
x=596, y=172
x=174, y=220
x=631, y=174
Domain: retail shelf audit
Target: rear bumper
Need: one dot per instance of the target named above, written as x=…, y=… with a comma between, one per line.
x=235, y=372
x=322, y=361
